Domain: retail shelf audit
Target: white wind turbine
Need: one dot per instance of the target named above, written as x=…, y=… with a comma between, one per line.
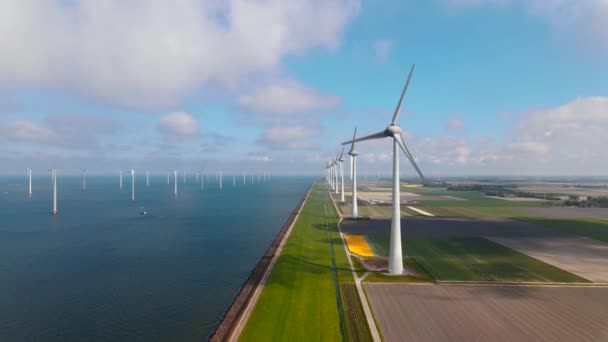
x=336, y=173
x=233, y=181
x=54, y=185
x=175, y=181
x=29, y=176
x=168, y=179
x=120, y=180
x=244, y=179
x=147, y=178
x=395, y=261
x=132, y=185
x=353, y=159
x=220, y=174
x=341, y=161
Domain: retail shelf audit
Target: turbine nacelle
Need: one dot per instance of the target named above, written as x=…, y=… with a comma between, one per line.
x=393, y=130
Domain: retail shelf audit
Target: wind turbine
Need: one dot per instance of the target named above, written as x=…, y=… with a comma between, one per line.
x=220, y=174
x=120, y=180
x=175, y=185
x=353, y=159
x=168, y=180
x=336, y=165
x=395, y=261
x=147, y=178
x=84, y=180
x=233, y=181
x=132, y=185
x=29, y=176
x=54, y=184
x=341, y=161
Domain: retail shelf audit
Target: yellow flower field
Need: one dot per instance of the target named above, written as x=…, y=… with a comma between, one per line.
x=358, y=245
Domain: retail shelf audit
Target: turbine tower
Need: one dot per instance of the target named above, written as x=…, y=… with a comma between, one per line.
x=244, y=181
x=168, y=179
x=29, y=176
x=132, y=185
x=54, y=184
x=341, y=161
x=395, y=261
x=353, y=158
x=84, y=180
x=202, y=183
x=175, y=187
x=147, y=178
x=120, y=180
x=220, y=174
x=336, y=171
x=233, y=181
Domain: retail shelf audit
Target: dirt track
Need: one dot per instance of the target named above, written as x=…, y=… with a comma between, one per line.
x=441, y=226
x=489, y=312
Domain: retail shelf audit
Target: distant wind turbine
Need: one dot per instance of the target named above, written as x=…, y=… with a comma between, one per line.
x=132, y=185
x=353, y=158
x=341, y=161
x=244, y=181
x=84, y=180
x=120, y=180
x=168, y=180
x=54, y=185
x=147, y=178
x=29, y=176
x=175, y=185
x=395, y=262
x=220, y=174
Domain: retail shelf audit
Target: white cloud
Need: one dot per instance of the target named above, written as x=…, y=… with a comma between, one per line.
x=149, y=54
x=455, y=123
x=178, y=125
x=587, y=18
x=287, y=96
x=290, y=137
x=27, y=131
x=382, y=48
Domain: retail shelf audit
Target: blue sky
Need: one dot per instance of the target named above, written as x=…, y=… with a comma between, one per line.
x=501, y=87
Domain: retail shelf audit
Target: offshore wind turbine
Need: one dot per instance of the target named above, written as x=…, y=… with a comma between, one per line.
x=147, y=178
x=395, y=261
x=168, y=180
x=29, y=176
x=120, y=180
x=84, y=180
x=54, y=185
x=175, y=185
x=244, y=180
x=202, y=183
x=220, y=174
x=132, y=185
x=233, y=181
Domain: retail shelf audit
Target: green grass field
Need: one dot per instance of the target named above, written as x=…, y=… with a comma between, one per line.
x=473, y=212
x=356, y=323
x=474, y=259
x=593, y=228
x=299, y=301
x=474, y=199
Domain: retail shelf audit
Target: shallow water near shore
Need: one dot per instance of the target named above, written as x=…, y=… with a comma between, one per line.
x=102, y=271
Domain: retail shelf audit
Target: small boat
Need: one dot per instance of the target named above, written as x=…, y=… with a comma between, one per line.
x=142, y=211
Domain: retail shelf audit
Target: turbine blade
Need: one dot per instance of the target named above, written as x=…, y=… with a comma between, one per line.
x=352, y=145
x=378, y=135
x=342, y=152
x=405, y=150
x=407, y=83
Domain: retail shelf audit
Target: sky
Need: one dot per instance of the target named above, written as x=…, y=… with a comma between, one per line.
x=501, y=87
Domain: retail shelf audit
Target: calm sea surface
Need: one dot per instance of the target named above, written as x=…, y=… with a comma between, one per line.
x=102, y=271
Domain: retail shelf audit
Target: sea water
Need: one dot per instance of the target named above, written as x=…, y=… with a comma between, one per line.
x=100, y=270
